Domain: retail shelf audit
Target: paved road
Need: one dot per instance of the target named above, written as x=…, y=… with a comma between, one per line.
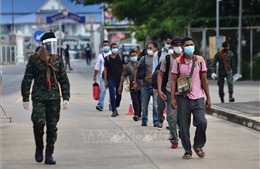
x=11, y=78
x=91, y=139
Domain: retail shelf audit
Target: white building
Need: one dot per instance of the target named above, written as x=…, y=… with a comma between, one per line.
x=28, y=16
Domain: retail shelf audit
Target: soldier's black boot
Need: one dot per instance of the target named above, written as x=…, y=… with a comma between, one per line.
x=222, y=99
x=231, y=99
x=39, y=152
x=48, y=155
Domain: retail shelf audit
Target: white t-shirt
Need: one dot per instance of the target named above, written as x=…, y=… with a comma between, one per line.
x=100, y=62
x=155, y=58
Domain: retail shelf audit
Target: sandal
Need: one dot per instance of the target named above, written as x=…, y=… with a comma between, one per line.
x=200, y=153
x=186, y=156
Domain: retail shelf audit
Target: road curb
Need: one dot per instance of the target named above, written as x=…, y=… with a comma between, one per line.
x=234, y=116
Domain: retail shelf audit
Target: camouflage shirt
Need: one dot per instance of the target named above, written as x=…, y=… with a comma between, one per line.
x=230, y=62
x=36, y=70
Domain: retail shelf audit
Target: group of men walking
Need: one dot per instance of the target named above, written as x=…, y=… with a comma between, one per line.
x=141, y=90
x=175, y=61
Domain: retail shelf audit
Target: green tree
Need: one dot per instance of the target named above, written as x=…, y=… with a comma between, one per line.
x=154, y=18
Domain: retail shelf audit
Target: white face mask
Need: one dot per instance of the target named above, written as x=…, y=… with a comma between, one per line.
x=150, y=52
x=177, y=49
x=170, y=51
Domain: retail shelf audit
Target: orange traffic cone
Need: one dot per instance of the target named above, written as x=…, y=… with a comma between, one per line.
x=130, y=109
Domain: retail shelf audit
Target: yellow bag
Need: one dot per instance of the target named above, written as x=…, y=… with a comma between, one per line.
x=184, y=85
x=127, y=87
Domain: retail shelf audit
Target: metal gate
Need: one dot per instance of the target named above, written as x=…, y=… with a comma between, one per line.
x=249, y=52
x=8, y=54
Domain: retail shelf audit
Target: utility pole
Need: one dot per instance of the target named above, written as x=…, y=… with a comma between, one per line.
x=102, y=36
x=59, y=40
x=12, y=31
x=217, y=31
x=239, y=38
x=217, y=18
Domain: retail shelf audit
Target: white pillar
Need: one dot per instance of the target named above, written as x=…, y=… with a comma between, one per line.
x=19, y=44
x=133, y=38
x=97, y=40
x=106, y=35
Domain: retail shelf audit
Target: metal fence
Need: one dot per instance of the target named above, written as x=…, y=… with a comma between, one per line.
x=8, y=54
x=250, y=49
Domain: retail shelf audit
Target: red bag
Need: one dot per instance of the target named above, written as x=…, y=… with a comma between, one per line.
x=95, y=91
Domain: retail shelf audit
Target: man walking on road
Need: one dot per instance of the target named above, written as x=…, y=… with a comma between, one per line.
x=129, y=71
x=47, y=70
x=164, y=81
x=193, y=100
x=67, y=58
x=146, y=88
x=114, y=64
x=88, y=52
x=157, y=58
x=226, y=61
x=99, y=67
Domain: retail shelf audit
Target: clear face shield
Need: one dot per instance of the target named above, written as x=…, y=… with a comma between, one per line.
x=51, y=45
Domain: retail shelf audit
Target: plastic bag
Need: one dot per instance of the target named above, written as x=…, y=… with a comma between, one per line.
x=95, y=90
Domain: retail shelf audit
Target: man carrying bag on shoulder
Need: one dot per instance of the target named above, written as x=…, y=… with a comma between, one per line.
x=193, y=101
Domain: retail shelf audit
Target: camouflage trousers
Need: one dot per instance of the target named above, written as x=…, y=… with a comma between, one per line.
x=221, y=81
x=45, y=112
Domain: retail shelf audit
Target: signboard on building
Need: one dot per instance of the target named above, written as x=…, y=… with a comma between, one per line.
x=218, y=40
x=111, y=20
x=213, y=43
x=65, y=15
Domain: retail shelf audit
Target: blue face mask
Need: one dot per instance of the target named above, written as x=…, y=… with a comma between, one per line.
x=114, y=50
x=133, y=58
x=106, y=48
x=166, y=46
x=189, y=50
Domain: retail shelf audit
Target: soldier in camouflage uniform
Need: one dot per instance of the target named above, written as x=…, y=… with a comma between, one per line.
x=225, y=58
x=47, y=70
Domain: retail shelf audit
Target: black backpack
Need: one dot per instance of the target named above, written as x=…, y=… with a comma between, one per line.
x=141, y=70
x=165, y=75
x=159, y=53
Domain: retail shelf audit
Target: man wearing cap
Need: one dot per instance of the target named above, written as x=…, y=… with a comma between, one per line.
x=46, y=68
x=164, y=80
x=226, y=61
